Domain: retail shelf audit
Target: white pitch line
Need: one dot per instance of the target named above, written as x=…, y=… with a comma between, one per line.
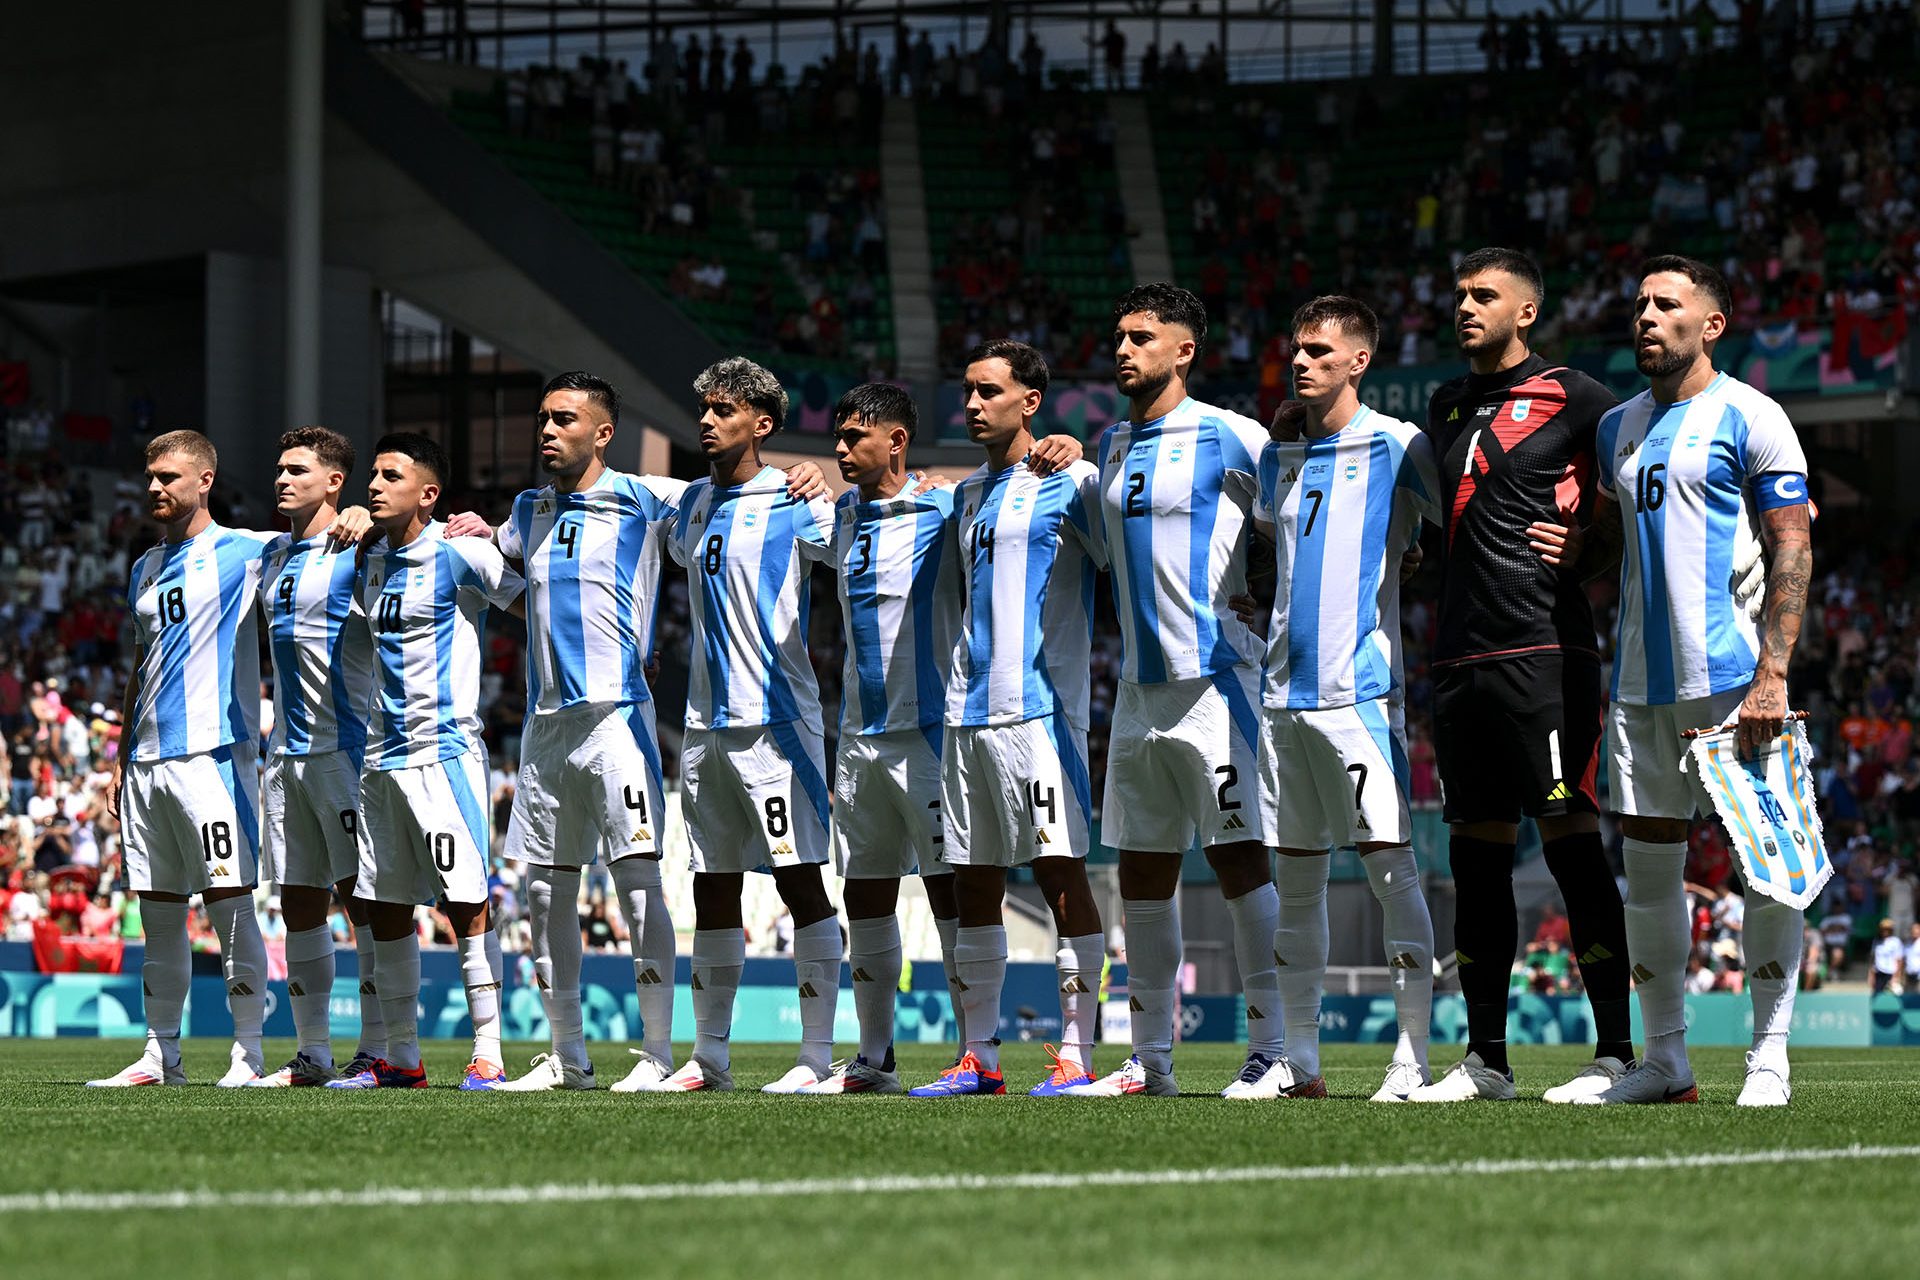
x=754, y=1188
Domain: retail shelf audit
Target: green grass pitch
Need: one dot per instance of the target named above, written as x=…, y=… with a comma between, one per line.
x=440, y=1183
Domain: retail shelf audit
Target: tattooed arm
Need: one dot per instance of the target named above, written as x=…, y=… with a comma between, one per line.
x=1789, y=541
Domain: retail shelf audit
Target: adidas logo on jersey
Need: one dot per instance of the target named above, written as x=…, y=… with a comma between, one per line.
x=648, y=978
x=1642, y=974
x=1455, y=415
x=1074, y=986
x=1560, y=791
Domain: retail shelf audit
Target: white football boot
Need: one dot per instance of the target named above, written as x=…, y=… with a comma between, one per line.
x=149, y=1068
x=1470, y=1080
x=246, y=1067
x=694, y=1076
x=1597, y=1076
x=300, y=1072
x=1402, y=1079
x=798, y=1077
x=647, y=1072
x=1265, y=1078
x=549, y=1072
x=1766, y=1085
x=1134, y=1076
x=857, y=1076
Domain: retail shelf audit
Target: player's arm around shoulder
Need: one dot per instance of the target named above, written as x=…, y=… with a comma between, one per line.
x=484, y=570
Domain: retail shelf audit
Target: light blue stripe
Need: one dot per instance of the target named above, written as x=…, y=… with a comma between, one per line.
x=863, y=619
x=811, y=783
x=472, y=812
x=282, y=634
x=636, y=716
x=1372, y=674
x=1209, y=474
x=350, y=729
x=929, y=553
x=242, y=809
x=1380, y=729
x=390, y=658
x=1303, y=579
x=1041, y=696
x=777, y=556
x=1073, y=763
x=566, y=637
x=1149, y=659
x=1650, y=535
x=230, y=562
x=1730, y=661
x=709, y=593
x=980, y=600
x=446, y=615
x=634, y=626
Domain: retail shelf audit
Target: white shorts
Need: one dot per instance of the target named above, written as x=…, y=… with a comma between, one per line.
x=312, y=808
x=192, y=823
x=886, y=806
x=1335, y=776
x=589, y=787
x=756, y=797
x=424, y=832
x=1644, y=750
x=1016, y=792
x=1182, y=762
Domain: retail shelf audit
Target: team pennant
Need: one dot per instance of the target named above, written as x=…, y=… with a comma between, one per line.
x=1767, y=805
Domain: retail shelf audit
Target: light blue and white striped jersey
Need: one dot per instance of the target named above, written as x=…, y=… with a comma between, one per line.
x=592, y=564
x=1344, y=510
x=1686, y=478
x=427, y=605
x=749, y=550
x=193, y=606
x=900, y=593
x=322, y=653
x=1176, y=496
x=1029, y=548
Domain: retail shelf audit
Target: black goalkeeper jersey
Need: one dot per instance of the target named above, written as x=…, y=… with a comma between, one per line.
x=1513, y=447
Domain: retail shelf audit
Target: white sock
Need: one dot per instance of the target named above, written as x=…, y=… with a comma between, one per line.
x=1300, y=955
x=480, y=970
x=718, y=957
x=1077, y=963
x=373, y=1019
x=1395, y=878
x=1153, y=975
x=816, y=973
x=310, y=990
x=553, y=901
x=1256, y=916
x=980, y=956
x=949, y=930
x=1658, y=939
x=397, y=970
x=1772, y=939
x=876, y=960
x=243, y=958
x=636, y=883
x=166, y=973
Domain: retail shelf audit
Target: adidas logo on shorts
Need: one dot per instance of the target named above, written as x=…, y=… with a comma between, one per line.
x=1233, y=823
x=1404, y=960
